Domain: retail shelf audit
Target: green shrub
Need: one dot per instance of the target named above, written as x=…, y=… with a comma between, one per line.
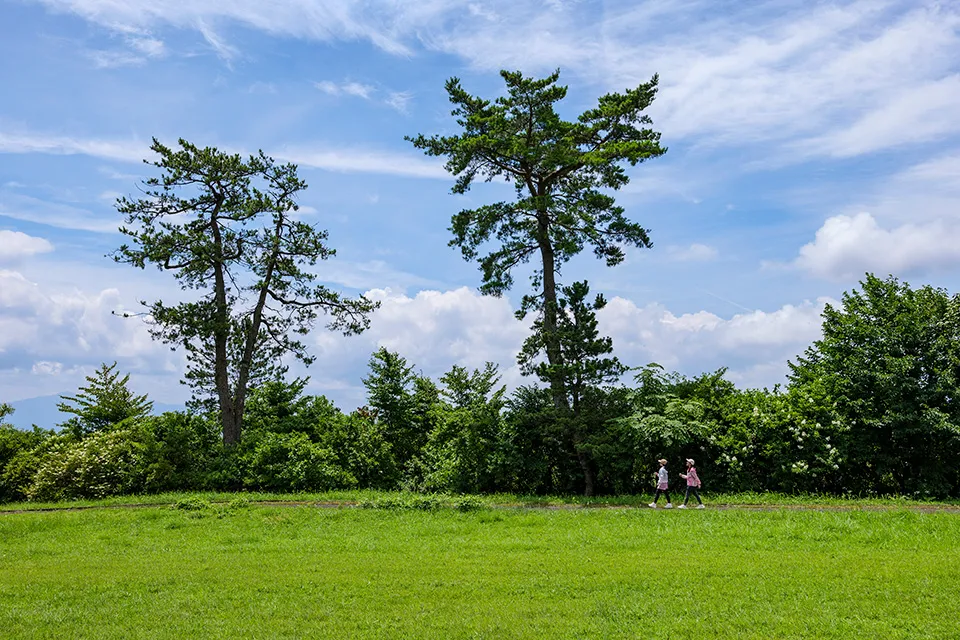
x=292, y=462
x=102, y=464
x=468, y=503
x=193, y=503
x=19, y=459
x=405, y=501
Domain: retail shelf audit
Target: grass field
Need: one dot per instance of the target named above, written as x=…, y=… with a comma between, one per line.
x=253, y=571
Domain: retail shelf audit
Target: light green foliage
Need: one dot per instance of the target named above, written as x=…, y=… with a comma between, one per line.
x=562, y=172
x=508, y=573
x=103, y=403
x=114, y=462
x=889, y=361
x=226, y=228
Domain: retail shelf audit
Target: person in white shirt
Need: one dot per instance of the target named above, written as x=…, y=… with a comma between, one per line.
x=663, y=486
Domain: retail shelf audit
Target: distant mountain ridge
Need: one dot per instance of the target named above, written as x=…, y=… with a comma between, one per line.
x=42, y=411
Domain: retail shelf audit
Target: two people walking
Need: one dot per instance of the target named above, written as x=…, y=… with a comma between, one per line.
x=663, y=485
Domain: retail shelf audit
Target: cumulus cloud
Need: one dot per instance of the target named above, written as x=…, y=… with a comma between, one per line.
x=15, y=245
x=48, y=333
x=848, y=246
x=51, y=337
x=435, y=330
x=755, y=345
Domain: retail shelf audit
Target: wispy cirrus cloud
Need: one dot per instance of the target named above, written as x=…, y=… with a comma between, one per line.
x=363, y=161
x=833, y=79
x=396, y=100
x=355, y=89
x=130, y=150
x=350, y=160
x=56, y=214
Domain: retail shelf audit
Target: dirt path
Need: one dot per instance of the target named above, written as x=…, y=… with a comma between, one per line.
x=921, y=508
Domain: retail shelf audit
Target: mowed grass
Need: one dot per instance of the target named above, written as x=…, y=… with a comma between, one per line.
x=307, y=572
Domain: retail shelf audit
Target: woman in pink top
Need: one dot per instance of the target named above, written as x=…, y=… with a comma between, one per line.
x=693, y=484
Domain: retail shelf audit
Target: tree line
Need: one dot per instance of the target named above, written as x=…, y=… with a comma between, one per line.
x=869, y=408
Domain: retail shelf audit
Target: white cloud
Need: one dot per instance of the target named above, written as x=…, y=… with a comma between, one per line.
x=399, y=100
x=106, y=59
x=370, y=274
x=848, y=246
x=148, y=46
x=54, y=214
x=434, y=330
x=754, y=345
x=942, y=172
x=15, y=245
x=221, y=47
x=355, y=89
x=342, y=159
x=696, y=252
x=141, y=47
x=48, y=332
x=834, y=78
x=363, y=161
x=124, y=150
x=45, y=368
x=925, y=113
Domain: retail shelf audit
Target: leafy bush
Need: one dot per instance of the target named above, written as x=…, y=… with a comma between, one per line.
x=104, y=463
x=360, y=448
x=193, y=503
x=17, y=461
x=189, y=446
x=405, y=501
x=292, y=462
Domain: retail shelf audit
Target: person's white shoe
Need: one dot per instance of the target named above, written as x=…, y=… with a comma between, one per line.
x=683, y=506
x=652, y=505
x=702, y=507
x=668, y=506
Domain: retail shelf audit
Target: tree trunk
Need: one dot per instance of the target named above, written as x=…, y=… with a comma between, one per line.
x=231, y=424
x=587, y=472
x=221, y=334
x=550, y=338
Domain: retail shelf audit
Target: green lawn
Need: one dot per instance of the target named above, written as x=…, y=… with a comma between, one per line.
x=304, y=572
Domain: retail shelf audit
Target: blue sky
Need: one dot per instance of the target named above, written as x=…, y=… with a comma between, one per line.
x=808, y=143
